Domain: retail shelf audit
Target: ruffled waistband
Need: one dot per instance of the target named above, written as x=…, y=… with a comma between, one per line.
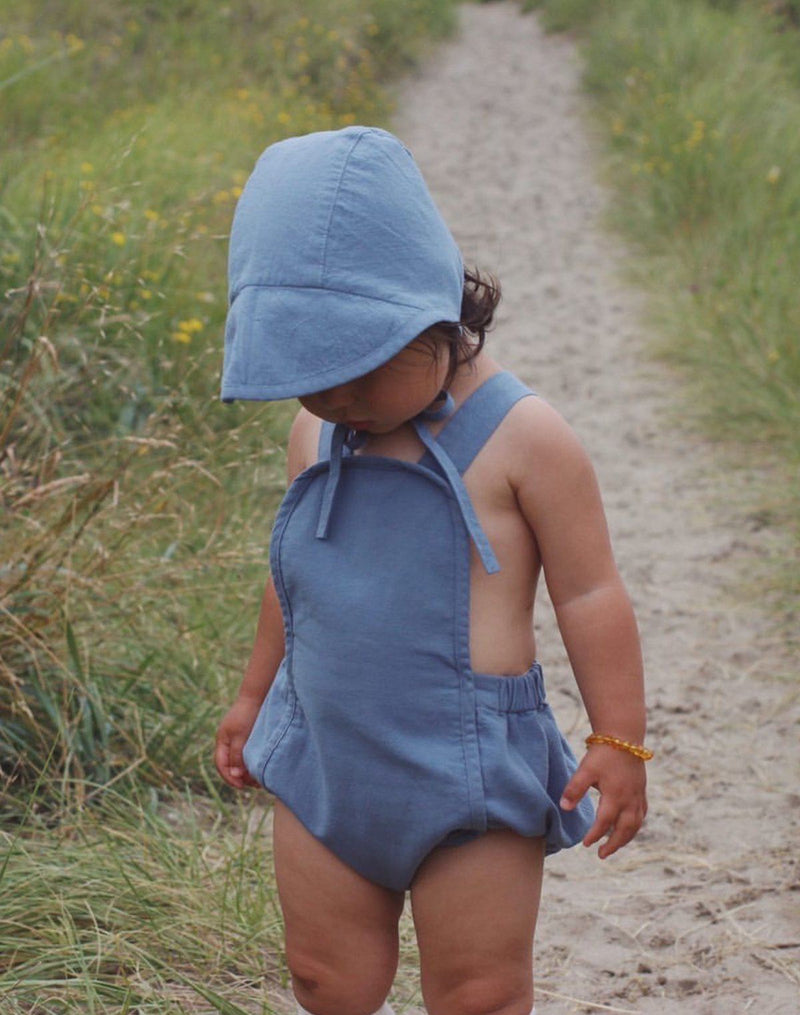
x=511, y=694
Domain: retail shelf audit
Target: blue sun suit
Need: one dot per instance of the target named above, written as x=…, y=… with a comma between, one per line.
x=376, y=733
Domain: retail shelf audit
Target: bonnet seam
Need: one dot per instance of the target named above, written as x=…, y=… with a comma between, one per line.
x=326, y=289
x=323, y=266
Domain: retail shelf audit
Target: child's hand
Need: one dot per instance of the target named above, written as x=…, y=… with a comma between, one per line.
x=231, y=737
x=620, y=778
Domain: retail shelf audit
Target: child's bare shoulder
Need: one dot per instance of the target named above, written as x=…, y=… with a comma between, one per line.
x=541, y=448
x=303, y=443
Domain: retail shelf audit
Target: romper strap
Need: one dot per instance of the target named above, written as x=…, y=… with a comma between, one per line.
x=456, y=483
x=463, y=436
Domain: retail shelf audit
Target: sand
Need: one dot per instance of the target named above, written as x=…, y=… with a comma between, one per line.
x=702, y=912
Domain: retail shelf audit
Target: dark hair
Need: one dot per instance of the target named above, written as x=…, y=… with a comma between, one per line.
x=465, y=338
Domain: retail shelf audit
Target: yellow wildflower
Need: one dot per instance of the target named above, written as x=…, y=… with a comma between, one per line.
x=87, y=168
x=181, y=336
x=151, y=215
x=191, y=325
x=119, y=239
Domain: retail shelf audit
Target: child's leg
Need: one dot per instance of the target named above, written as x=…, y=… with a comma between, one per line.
x=475, y=909
x=341, y=929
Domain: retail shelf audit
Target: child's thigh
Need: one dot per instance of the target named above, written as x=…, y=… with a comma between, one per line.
x=339, y=926
x=475, y=908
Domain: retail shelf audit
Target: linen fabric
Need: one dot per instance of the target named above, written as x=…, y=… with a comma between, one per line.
x=338, y=259
x=377, y=733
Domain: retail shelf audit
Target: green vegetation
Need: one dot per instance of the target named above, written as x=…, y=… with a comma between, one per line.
x=699, y=104
x=136, y=508
x=139, y=907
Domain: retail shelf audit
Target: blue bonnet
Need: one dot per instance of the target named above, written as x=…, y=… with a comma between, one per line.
x=338, y=259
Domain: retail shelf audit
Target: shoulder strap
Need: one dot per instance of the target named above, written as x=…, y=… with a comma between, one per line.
x=325, y=438
x=463, y=436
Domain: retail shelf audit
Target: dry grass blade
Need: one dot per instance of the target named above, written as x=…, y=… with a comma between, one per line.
x=594, y=1005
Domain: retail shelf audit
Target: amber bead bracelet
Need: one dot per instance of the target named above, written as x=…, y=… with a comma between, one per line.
x=622, y=745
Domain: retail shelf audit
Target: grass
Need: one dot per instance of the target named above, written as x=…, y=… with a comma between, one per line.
x=134, y=497
x=136, y=507
x=698, y=105
x=167, y=913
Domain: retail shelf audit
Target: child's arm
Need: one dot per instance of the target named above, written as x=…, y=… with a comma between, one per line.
x=264, y=661
x=559, y=496
x=268, y=649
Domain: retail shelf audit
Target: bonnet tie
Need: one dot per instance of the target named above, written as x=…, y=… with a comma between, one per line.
x=340, y=432
x=343, y=437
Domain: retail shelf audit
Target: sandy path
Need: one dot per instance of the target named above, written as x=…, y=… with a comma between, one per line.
x=701, y=913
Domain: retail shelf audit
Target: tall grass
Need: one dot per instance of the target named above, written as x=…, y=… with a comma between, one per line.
x=175, y=912
x=699, y=105
x=136, y=508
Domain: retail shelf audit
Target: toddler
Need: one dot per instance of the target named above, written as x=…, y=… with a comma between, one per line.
x=393, y=703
